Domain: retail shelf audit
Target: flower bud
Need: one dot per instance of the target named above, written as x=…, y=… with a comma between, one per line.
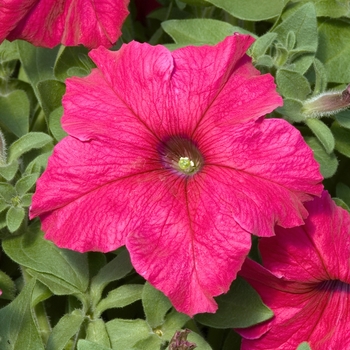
x=327, y=103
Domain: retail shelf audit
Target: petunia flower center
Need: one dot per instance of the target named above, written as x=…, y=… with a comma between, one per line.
x=180, y=154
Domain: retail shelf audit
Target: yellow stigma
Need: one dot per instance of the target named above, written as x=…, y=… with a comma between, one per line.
x=186, y=164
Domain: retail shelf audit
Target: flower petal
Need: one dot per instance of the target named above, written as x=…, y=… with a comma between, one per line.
x=265, y=171
x=191, y=248
x=83, y=196
x=317, y=251
x=303, y=312
x=70, y=22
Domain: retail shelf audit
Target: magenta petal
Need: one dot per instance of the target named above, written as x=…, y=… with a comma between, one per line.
x=70, y=22
x=264, y=169
x=191, y=248
x=317, y=251
x=312, y=312
x=308, y=287
x=154, y=161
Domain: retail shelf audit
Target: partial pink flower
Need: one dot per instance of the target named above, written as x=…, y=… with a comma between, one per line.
x=48, y=23
x=167, y=153
x=305, y=281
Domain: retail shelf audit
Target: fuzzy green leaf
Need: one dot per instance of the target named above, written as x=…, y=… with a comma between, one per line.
x=303, y=23
x=65, y=329
x=334, y=49
x=88, y=345
x=55, y=124
x=96, y=332
x=291, y=109
x=262, y=44
x=7, y=286
x=342, y=139
x=26, y=143
x=18, y=330
x=304, y=346
x=155, y=305
x=9, y=171
x=33, y=251
x=124, y=334
x=292, y=84
x=328, y=162
x=72, y=57
x=343, y=118
x=322, y=132
x=320, y=77
x=14, y=218
x=199, y=30
x=241, y=307
x=120, y=297
x=116, y=269
x=14, y=112
x=251, y=10
x=50, y=95
x=24, y=184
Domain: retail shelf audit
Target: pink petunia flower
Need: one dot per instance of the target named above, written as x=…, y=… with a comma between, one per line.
x=48, y=23
x=306, y=283
x=168, y=154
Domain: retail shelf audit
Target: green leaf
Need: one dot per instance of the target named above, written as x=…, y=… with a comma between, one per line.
x=50, y=95
x=328, y=162
x=195, y=3
x=292, y=84
x=66, y=328
x=334, y=49
x=304, y=346
x=18, y=330
x=342, y=139
x=56, y=285
x=88, y=345
x=37, y=62
x=155, y=305
x=199, y=30
x=343, y=192
x=124, y=334
x=332, y=8
x=241, y=307
x=120, y=297
x=14, y=218
x=38, y=164
x=72, y=58
x=320, y=77
x=33, y=251
x=173, y=321
x=7, y=192
x=26, y=143
x=55, y=124
x=97, y=333
x=251, y=10
x=9, y=171
x=7, y=286
x=151, y=343
x=24, y=184
x=14, y=112
x=199, y=341
x=343, y=118
x=341, y=204
x=262, y=44
x=8, y=51
x=303, y=23
x=322, y=132
x=291, y=109
x=116, y=269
